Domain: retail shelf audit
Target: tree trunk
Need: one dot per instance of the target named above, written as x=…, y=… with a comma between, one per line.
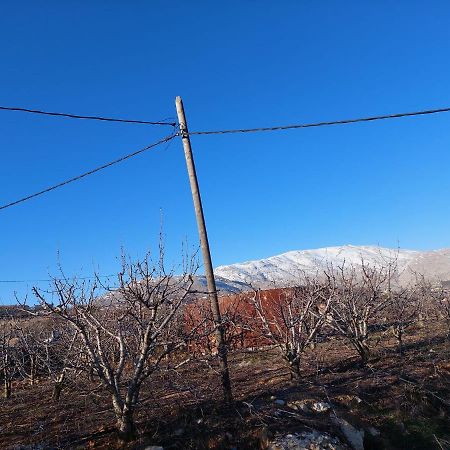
x=6, y=386
x=363, y=351
x=421, y=321
x=126, y=428
x=32, y=370
x=58, y=387
x=294, y=369
x=399, y=336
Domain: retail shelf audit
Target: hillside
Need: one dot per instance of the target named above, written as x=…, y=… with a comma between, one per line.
x=285, y=269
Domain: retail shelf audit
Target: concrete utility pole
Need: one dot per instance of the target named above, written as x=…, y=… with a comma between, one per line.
x=212, y=291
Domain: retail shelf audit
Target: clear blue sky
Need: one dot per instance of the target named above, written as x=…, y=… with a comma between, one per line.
x=236, y=64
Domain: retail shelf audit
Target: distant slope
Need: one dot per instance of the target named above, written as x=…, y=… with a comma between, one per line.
x=223, y=285
x=285, y=269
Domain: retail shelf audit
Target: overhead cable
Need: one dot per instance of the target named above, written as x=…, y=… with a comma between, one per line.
x=90, y=172
x=76, y=116
x=323, y=124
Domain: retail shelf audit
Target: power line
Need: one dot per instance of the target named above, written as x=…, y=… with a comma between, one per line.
x=76, y=116
x=322, y=124
x=97, y=169
x=170, y=137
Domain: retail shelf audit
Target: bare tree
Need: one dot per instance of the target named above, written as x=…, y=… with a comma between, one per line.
x=436, y=299
x=8, y=366
x=199, y=317
x=442, y=296
x=29, y=349
x=360, y=297
x=402, y=310
x=126, y=333
x=290, y=319
x=62, y=358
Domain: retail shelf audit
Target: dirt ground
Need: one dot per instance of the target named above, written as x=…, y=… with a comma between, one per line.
x=405, y=401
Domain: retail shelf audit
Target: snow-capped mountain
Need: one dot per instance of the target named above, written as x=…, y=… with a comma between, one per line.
x=285, y=269
x=222, y=285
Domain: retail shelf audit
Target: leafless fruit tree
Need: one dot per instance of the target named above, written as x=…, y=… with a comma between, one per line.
x=126, y=333
x=62, y=358
x=29, y=347
x=402, y=310
x=234, y=322
x=360, y=298
x=44, y=347
x=443, y=298
x=8, y=363
x=290, y=319
x=437, y=298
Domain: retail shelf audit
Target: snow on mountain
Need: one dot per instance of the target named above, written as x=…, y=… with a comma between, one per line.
x=224, y=286
x=285, y=269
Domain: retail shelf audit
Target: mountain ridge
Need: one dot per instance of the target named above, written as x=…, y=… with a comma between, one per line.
x=285, y=269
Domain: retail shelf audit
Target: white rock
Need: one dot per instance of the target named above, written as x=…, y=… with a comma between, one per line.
x=311, y=440
x=354, y=436
x=320, y=406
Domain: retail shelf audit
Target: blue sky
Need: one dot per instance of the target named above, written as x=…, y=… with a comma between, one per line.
x=236, y=64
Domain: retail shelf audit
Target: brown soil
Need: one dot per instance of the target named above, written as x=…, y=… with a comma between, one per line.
x=406, y=399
